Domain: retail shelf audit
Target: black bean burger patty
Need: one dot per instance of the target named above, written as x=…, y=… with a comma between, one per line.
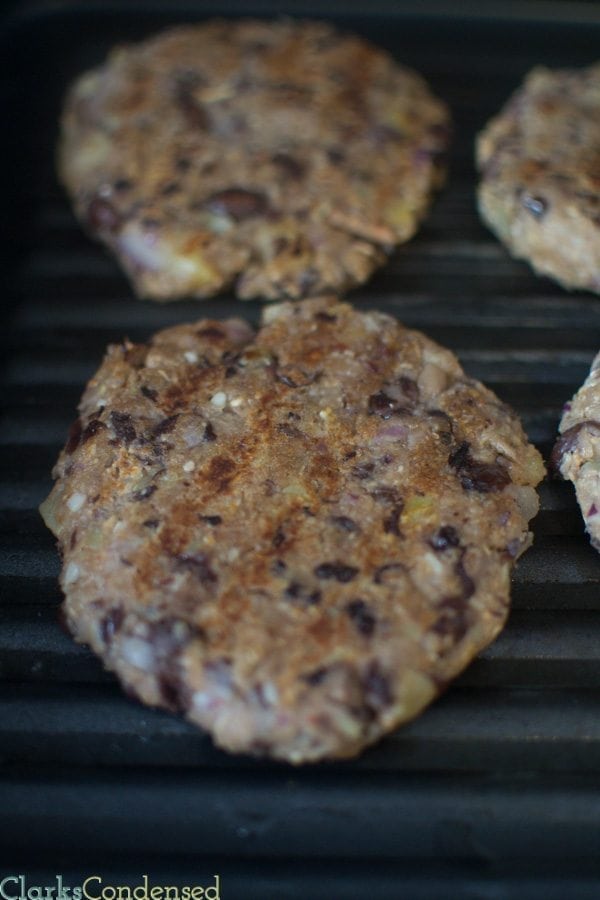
x=297, y=536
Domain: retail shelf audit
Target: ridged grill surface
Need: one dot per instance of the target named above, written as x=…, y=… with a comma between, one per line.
x=498, y=781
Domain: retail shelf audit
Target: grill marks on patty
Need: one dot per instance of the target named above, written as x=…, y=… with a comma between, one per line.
x=322, y=475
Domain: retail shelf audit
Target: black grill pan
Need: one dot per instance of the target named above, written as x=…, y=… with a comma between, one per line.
x=494, y=791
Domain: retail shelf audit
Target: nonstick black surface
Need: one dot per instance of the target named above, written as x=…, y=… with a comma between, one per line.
x=493, y=792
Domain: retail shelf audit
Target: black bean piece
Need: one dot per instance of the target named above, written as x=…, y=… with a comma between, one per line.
x=382, y=134
x=477, y=476
x=278, y=567
x=468, y=585
x=238, y=203
x=111, y=624
x=442, y=424
x=165, y=427
x=380, y=404
x=102, y=216
x=513, y=547
x=92, y=429
x=289, y=430
x=151, y=523
x=362, y=470
x=436, y=156
x=259, y=693
x=391, y=524
x=486, y=478
x=380, y=571
x=192, y=110
x=307, y=280
x=170, y=685
x=75, y=432
x=439, y=414
x=209, y=433
x=280, y=245
x=568, y=441
x=459, y=458
x=453, y=619
x=293, y=376
x=144, y=493
x=285, y=379
x=122, y=184
x=211, y=520
x=289, y=165
x=537, y=206
x=336, y=570
x=171, y=188
x=150, y=393
x=409, y=387
x=278, y=537
x=325, y=317
x=168, y=637
x=293, y=590
x=135, y=354
x=198, y=564
x=122, y=425
x=346, y=524
x=301, y=594
x=316, y=677
x=362, y=617
x=386, y=494
x=378, y=691
x=335, y=156
x=445, y=537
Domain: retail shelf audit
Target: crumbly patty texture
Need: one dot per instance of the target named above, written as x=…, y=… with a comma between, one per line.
x=279, y=159
x=540, y=175
x=576, y=454
x=295, y=537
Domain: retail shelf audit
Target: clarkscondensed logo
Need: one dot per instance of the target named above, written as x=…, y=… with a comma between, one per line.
x=16, y=887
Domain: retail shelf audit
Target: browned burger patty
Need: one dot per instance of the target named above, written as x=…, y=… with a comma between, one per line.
x=576, y=454
x=281, y=159
x=540, y=183
x=295, y=537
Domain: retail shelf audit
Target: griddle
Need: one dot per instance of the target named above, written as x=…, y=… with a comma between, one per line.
x=494, y=791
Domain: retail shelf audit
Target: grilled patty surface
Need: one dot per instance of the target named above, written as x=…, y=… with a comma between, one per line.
x=280, y=159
